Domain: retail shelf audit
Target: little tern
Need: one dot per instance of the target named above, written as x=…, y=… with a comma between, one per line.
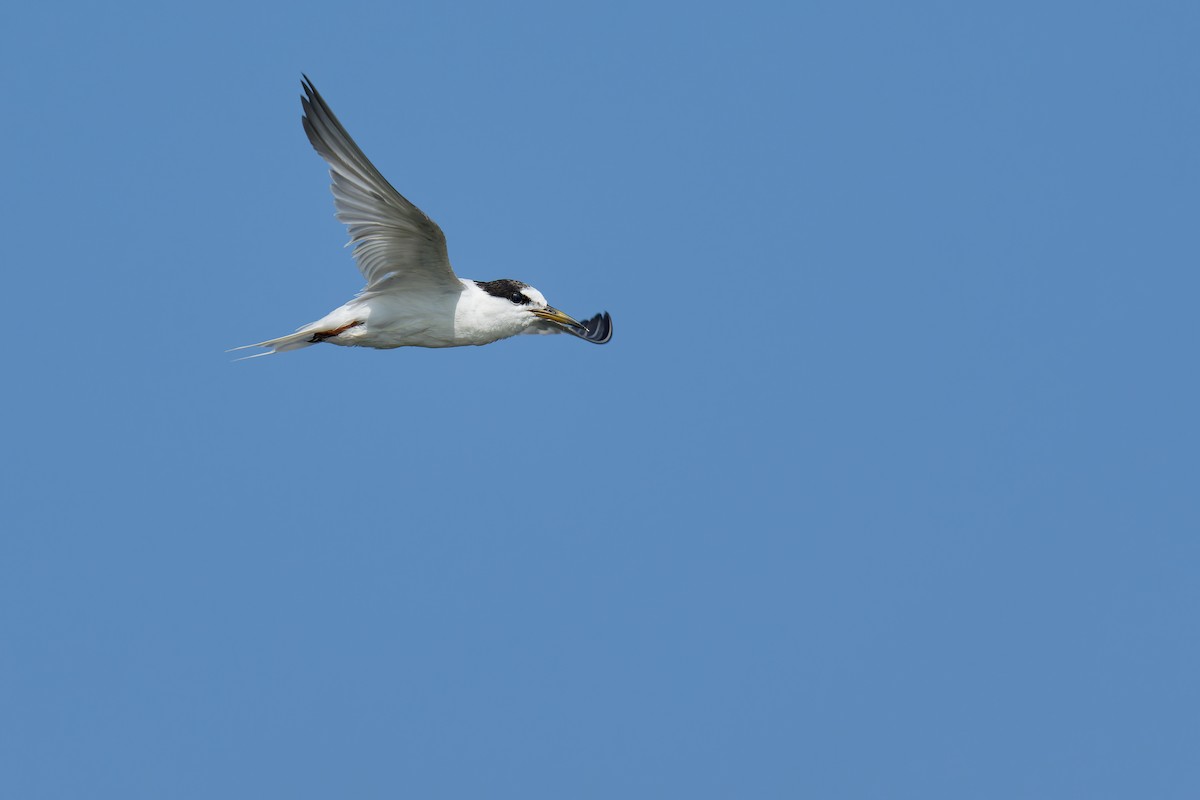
x=412, y=297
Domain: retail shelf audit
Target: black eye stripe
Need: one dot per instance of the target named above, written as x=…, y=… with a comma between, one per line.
x=506, y=289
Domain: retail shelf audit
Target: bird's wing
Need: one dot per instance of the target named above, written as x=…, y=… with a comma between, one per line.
x=395, y=244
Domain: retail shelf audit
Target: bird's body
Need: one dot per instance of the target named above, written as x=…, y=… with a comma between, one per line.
x=412, y=297
x=417, y=318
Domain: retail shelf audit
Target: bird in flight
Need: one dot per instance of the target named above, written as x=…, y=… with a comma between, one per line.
x=412, y=297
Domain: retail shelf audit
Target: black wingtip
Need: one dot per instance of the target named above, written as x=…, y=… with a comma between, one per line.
x=306, y=84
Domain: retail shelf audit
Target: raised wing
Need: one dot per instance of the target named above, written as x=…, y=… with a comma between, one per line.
x=395, y=244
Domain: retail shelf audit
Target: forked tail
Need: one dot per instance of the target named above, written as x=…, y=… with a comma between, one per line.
x=293, y=341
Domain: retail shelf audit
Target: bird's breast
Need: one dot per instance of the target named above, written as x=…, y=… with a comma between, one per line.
x=412, y=319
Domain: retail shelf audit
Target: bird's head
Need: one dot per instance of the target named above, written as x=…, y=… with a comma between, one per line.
x=528, y=310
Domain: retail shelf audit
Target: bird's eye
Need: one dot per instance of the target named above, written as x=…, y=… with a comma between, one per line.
x=517, y=298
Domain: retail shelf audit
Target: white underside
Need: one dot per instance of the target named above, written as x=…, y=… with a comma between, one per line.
x=417, y=317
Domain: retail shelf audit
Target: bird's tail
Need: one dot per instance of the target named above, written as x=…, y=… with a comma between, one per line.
x=293, y=341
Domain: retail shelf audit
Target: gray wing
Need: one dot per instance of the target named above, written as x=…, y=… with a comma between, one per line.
x=395, y=244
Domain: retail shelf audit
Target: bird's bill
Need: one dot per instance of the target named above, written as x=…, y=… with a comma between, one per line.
x=554, y=315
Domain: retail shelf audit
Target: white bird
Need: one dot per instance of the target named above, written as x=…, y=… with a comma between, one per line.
x=412, y=297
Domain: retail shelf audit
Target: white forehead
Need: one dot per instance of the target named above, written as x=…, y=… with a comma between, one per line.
x=534, y=295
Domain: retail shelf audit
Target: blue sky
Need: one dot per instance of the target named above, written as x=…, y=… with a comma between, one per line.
x=885, y=487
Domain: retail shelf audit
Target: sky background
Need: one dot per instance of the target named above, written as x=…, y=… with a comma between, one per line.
x=885, y=487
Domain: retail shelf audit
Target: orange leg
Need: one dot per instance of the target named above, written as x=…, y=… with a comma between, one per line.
x=321, y=336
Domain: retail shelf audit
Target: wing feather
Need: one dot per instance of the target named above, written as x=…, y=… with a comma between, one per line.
x=395, y=244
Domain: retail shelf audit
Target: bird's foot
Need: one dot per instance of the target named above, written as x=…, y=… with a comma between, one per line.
x=321, y=336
